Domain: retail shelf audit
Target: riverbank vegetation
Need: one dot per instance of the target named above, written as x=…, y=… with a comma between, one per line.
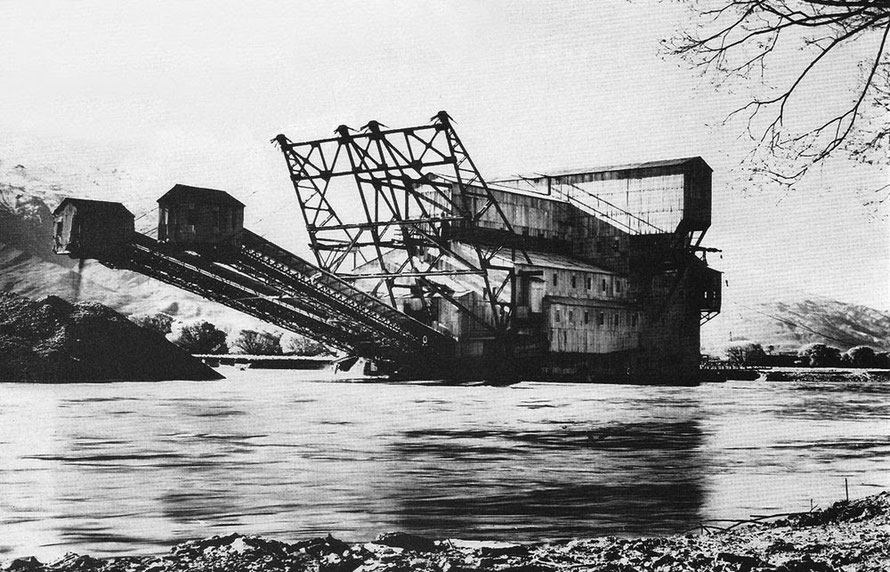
x=203, y=337
x=252, y=342
x=849, y=536
x=752, y=354
x=199, y=337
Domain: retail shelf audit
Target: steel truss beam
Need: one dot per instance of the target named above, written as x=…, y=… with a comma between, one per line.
x=269, y=283
x=410, y=188
x=189, y=272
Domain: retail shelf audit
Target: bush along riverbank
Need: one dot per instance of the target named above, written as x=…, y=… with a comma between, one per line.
x=846, y=537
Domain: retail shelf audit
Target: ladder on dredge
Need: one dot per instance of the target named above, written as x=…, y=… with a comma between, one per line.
x=267, y=282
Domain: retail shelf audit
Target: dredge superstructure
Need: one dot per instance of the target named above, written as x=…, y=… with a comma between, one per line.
x=427, y=269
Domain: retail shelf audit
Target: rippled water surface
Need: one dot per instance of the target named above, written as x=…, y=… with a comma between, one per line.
x=135, y=467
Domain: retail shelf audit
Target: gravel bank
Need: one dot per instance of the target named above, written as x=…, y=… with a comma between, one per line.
x=51, y=340
x=846, y=537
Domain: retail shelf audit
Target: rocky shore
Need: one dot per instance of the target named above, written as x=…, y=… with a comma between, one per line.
x=846, y=537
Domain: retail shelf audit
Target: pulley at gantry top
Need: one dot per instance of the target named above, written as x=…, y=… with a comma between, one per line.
x=406, y=215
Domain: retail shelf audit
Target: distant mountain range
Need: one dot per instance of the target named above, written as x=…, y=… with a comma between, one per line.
x=28, y=267
x=789, y=325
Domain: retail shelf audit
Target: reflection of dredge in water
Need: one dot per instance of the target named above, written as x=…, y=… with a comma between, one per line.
x=647, y=475
x=428, y=271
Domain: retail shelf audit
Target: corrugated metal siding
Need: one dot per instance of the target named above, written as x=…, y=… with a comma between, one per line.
x=661, y=193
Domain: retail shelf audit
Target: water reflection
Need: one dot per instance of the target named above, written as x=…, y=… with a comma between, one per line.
x=123, y=468
x=563, y=481
x=850, y=400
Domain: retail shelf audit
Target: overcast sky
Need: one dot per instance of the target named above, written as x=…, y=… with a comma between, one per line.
x=193, y=92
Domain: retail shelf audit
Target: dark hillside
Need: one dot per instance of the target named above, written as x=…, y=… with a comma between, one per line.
x=51, y=340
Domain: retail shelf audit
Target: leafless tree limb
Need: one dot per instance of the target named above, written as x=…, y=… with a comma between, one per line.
x=734, y=39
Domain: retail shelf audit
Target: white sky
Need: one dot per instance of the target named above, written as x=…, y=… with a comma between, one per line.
x=193, y=92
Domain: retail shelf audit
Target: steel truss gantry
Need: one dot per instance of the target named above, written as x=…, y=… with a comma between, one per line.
x=411, y=192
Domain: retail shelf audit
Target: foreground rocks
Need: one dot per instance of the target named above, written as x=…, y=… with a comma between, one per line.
x=51, y=340
x=846, y=537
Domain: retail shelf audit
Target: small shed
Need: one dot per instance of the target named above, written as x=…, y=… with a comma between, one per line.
x=85, y=228
x=198, y=216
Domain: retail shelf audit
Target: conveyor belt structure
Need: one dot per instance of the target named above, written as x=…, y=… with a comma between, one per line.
x=272, y=284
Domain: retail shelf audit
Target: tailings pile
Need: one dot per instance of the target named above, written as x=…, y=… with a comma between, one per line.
x=51, y=340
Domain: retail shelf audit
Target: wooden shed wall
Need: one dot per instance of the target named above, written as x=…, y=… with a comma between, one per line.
x=82, y=228
x=203, y=223
x=591, y=328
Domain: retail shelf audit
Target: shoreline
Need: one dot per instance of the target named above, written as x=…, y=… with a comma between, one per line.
x=847, y=536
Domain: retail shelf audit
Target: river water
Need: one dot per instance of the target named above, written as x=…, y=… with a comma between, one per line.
x=120, y=468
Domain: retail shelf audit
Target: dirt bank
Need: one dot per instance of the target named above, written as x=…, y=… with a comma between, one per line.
x=827, y=374
x=51, y=340
x=846, y=537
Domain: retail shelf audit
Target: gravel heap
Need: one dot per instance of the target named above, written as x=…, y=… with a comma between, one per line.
x=51, y=340
x=849, y=536
x=829, y=375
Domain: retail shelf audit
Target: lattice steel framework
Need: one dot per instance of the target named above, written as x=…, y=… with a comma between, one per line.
x=417, y=190
x=265, y=281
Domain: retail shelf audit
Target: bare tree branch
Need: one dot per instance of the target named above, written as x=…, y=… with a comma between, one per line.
x=735, y=38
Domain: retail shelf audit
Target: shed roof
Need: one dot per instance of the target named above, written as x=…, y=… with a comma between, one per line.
x=663, y=164
x=105, y=207
x=199, y=194
x=507, y=186
x=592, y=303
x=550, y=260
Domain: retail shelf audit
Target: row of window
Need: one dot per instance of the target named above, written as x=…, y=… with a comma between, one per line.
x=614, y=319
x=601, y=245
x=588, y=283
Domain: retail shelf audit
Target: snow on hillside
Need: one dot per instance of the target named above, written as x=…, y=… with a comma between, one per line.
x=30, y=268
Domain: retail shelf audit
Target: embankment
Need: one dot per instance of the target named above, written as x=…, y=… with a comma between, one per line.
x=828, y=375
x=51, y=340
x=848, y=536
